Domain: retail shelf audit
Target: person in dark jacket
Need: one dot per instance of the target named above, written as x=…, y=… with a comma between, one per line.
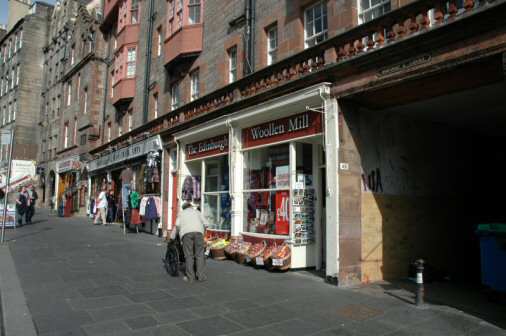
x=111, y=207
x=21, y=205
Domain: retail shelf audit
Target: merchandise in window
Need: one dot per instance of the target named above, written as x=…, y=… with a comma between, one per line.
x=266, y=190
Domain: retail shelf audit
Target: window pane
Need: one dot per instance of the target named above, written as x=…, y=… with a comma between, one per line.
x=217, y=210
x=217, y=174
x=267, y=212
x=267, y=168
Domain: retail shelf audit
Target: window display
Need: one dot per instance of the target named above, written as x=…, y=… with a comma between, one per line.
x=267, y=190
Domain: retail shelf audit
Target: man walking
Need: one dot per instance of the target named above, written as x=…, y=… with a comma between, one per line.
x=32, y=199
x=190, y=224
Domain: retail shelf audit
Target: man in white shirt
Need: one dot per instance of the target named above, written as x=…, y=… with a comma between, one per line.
x=190, y=224
x=102, y=206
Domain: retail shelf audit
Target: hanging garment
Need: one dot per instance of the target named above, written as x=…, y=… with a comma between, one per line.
x=135, y=218
x=158, y=203
x=196, y=188
x=187, y=190
x=142, y=206
x=134, y=199
x=151, y=212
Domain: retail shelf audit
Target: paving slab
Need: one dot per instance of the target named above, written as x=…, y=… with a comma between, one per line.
x=96, y=281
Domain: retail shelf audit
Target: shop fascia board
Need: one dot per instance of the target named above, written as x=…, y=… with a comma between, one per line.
x=277, y=108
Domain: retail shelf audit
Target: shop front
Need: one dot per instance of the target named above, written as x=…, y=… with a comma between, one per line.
x=70, y=189
x=205, y=181
x=132, y=179
x=260, y=175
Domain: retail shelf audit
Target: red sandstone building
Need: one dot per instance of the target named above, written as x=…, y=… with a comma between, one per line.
x=350, y=130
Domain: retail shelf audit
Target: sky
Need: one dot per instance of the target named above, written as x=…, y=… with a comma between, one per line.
x=4, y=5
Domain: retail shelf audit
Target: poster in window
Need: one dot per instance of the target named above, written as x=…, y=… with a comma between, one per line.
x=282, y=213
x=282, y=177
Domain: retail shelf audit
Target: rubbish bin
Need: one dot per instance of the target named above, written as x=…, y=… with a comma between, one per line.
x=493, y=255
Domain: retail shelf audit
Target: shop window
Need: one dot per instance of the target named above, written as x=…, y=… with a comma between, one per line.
x=272, y=44
x=371, y=9
x=267, y=190
x=232, y=64
x=315, y=24
x=194, y=11
x=216, y=198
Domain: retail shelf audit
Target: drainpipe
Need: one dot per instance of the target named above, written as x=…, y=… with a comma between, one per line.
x=106, y=87
x=249, y=41
x=147, y=72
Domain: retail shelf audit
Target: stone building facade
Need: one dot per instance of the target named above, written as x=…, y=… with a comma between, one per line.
x=394, y=83
x=21, y=60
x=72, y=101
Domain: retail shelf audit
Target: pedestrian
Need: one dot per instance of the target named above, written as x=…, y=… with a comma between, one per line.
x=102, y=206
x=190, y=224
x=32, y=200
x=21, y=205
x=111, y=207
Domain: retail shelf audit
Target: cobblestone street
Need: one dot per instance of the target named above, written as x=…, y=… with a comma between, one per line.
x=80, y=279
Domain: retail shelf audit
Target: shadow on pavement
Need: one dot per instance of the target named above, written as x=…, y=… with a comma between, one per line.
x=471, y=299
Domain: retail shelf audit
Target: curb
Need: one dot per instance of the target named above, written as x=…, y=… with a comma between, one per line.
x=17, y=319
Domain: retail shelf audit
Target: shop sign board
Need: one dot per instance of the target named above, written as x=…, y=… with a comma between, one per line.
x=208, y=147
x=135, y=150
x=71, y=163
x=296, y=126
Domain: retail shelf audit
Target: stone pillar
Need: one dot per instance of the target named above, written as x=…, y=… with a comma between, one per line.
x=349, y=172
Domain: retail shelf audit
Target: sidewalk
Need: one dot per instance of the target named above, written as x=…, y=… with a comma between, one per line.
x=80, y=279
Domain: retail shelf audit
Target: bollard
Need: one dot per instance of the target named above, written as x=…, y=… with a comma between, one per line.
x=419, y=300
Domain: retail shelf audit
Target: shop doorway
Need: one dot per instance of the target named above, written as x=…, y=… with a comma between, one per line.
x=431, y=172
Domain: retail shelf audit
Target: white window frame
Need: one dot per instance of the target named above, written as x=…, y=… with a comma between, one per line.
x=17, y=75
x=14, y=109
x=194, y=11
x=131, y=61
x=108, y=132
x=66, y=135
x=9, y=113
x=129, y=121
x=371, y=9
x=194, y=85
x=232, y=64
x=85, y=103
x=72, y=54
x=13, y=77
x=20, y=40
x=74, y=136
x=312, y=40
x=78, y=86
x=175, y=96
x=69, y=93
x=272, y=44
x=159, y=42
x=155, y=105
